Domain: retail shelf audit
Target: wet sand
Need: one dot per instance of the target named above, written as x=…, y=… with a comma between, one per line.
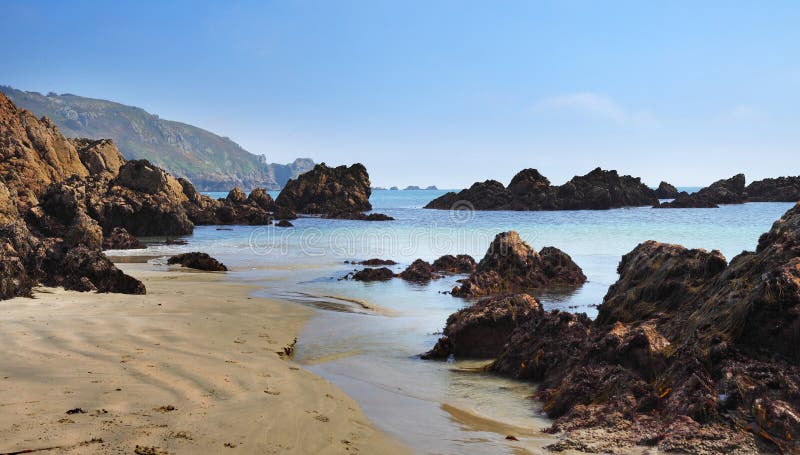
x=196, y=366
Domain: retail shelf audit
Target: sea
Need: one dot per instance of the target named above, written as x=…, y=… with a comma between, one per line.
x=366, y=337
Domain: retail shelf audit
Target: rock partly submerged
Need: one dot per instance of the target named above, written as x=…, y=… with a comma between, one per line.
x=688, y=353
x=666, y=191
x=529, y=190
x=511, y=265
x=727, y=191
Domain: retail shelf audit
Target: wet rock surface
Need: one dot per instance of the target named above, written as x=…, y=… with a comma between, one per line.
x=511, y=265
x=284, y=223
x=420, y=271
x=529, y=190
x=481, y=330
x=197, y=260
x=373, y=274
x=689, y=353
x=461, y=264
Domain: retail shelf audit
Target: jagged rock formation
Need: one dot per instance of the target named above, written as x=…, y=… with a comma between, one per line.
x=688, y=353
x=212, y=162
x=101, y=157
x=666, y=191
x=728, y=191
x=199, y=261
x=463, y=263
x=511, y=265
x=420, y=271
x=781, y=189
x=529, y=190
x=121, y=239
x=481, y=330
x=46, y=233
x=328, y=190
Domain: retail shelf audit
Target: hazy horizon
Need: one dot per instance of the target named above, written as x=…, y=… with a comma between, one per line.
x=446, y=93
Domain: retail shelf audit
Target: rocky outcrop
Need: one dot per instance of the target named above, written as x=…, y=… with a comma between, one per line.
x=420, y=271
x=511, y=265
x=461, y=264
x=666, y=191
x=100, y=157
x=529, y=190
x=376, y=261
x=120, y=239
x=729, y=191
x=688, y=353
x=359, y=216
x=199, y=261
x=781, y=189
x=481, y=330
x=261, y=198
x=326, y=189
x=236, y=208
x=373, y=274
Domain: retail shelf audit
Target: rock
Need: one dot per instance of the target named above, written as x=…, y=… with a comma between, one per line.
x=684, y=344
x=666, y=191
x=282, y=213
x=347, y=215
x=101, y=157
x=376, y=261
x=284, y=223
x=85, y=269
x=33, y=154
x=730, y=191
x=142, y=176
x=419, y=271
x=328, y=190
x=462, y=263
x=781, y=189
x=120, y=239
x=481, y=330
x=8, y=208
x=84, y=231
x=511, y=265
x=373, y=274
x=199, y=261
x=261, y=198
x=236, y=196
x=529, y=190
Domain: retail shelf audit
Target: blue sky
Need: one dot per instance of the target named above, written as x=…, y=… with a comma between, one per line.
x=442, y=92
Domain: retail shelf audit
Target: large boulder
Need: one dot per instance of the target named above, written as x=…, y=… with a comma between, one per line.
x=420, y=271
x=141, y=175
x=84, y=269
x=328, y=189
x=120, y=239
x=511, y=265
x=463, y=263
x=261, y=198
x=373, y=274
x=100, y=156
x=481, y=330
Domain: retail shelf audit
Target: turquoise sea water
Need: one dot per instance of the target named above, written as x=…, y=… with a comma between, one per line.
x=442, y=407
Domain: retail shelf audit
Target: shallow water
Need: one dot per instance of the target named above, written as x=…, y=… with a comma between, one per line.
x=366, y=336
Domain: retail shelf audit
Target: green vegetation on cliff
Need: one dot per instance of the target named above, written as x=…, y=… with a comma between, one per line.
x=211, y=162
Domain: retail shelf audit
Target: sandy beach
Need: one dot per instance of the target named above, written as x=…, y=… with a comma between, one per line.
x=195, y=366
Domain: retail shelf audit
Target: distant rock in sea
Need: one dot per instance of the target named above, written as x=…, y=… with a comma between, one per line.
x=412, y=187
x=394, y=188
x=334, y=192
x=666, y=191
x=729, y=191
x=529, y=190
x=431, y=188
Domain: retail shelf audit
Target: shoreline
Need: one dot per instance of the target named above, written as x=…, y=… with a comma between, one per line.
x=196, y=364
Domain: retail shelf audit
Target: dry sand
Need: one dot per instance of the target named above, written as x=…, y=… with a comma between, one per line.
x=195, y=366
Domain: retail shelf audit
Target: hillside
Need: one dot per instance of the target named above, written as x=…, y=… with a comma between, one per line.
x=211, y=162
